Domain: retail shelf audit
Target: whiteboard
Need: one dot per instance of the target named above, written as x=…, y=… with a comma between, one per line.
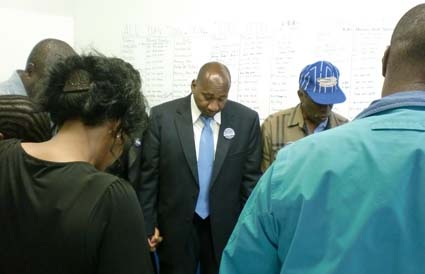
x=264, y=58
x=20, y=30
x=264, y=43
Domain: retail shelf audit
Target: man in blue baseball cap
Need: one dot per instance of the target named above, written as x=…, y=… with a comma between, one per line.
x=318, y=91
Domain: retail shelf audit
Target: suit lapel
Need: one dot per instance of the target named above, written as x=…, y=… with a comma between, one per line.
x=223, y=144
x=184, y=126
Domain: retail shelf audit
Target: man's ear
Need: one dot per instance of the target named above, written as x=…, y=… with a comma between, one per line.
x=1, y=136
x=29, y=69
x=385, y=61
x=300, y=94
x=193, y=85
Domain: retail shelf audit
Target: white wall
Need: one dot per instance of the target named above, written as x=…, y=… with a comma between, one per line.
x=101, y=24
x=98, y=23
x=52, y=7
x=24, y=23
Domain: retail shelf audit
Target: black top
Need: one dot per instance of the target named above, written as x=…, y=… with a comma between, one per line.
x=67, y=218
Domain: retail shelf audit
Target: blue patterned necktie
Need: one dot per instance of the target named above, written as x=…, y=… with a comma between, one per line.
x=205, y=166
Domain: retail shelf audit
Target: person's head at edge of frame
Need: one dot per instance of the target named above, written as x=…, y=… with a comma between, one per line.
x=22, y=119
x=403, y=63
x=319, y=90
x=211, y=88
x=100, y=93
x=41, y=59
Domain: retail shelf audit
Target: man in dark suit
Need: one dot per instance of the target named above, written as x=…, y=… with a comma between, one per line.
x=196, y=218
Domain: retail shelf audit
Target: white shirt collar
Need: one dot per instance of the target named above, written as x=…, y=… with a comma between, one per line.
x=196, y=112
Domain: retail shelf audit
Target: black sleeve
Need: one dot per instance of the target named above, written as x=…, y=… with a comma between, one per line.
x=252, y=171
x=149, y=177
x=123, y=246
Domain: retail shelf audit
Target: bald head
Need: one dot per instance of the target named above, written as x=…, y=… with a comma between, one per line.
x=211, y=88
x=404, y=60
x=49, y=51
x=43, y=56
x=409, y=34
x=214, y=71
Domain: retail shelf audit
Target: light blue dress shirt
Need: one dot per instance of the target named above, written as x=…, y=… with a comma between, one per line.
x=13, y=86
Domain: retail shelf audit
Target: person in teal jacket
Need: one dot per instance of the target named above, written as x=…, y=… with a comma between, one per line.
x=349, y=200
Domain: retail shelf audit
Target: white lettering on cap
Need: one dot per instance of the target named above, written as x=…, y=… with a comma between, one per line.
x=327, y=82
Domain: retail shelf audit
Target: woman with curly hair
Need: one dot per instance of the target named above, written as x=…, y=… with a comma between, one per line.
x=59, y=212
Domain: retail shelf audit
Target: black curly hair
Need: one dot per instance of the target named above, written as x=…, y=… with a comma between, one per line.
x=96, y=89
x=22, y=119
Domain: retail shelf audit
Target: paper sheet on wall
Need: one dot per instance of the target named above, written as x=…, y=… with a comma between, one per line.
x=264, y=59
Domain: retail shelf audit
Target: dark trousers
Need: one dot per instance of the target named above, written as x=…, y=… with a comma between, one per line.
x=199, y=251
x=155, y=262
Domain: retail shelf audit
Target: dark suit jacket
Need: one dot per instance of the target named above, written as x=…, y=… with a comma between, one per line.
x=128, y=165
x=169, y=177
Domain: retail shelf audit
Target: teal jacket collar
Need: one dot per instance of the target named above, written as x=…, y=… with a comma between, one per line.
x=396, y=100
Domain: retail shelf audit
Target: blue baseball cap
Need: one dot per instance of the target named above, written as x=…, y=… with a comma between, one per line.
x=320, y=82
